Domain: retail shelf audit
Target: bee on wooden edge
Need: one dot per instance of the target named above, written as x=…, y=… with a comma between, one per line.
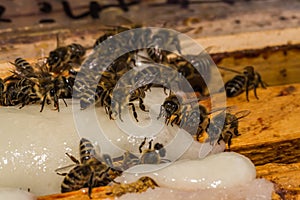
x=244, y=81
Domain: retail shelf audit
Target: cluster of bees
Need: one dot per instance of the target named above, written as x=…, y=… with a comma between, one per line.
x=46, y=82
x=54, y=79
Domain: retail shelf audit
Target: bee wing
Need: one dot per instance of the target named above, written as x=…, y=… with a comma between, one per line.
x=241, y=114
x=145, y=80
x=222, y=109
x=58, y=170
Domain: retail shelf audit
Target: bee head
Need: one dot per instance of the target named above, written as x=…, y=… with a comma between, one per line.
x=56, y=56
x=249, y=70
x=170, y=107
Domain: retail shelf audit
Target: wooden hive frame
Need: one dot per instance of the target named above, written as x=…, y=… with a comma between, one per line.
x=270, y=134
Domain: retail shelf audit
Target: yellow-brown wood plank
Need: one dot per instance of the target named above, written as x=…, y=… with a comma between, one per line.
x=270, y=136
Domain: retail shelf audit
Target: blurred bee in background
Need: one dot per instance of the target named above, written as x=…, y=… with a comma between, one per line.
x=63, y=58
x=22, y=68
x=197, y=116
x=248, y=79
x=135, y=40
x=120, y=97
x=24, y=92
x=113, y=31
x=152, y=155
x=10, y=91
x=187, y=69
x=139, y=186
x=126, y=161
x=88, y=172
x=163, y=39
x=18, y=87
x=229, y=129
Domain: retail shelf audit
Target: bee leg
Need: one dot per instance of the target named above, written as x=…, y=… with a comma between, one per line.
x=165, y=91
x=229, y=141
x=259, y=81
x=247, y=92
x=167, y=121
x=172, y=122
x=23, y=104
x=142, y=144
x=236, y=132
x=65, y=102
x=134, y=112
x=90, y=184
x=255, y=94
x=56, y=104
x=150, y=144
x=199, y=134
x=160, y=112
x=176, y=120
x=110, y=115
x=73, y=159
x=43, y=103
x=61, y=174
x=220, y=138
x=142, y=106
x=119, y=113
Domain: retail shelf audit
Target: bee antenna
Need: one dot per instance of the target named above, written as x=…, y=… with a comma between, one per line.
x=230, y=70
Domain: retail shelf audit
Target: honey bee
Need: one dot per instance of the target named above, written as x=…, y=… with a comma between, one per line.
x=61, y=58
x=126, y=161
x=50, y=88
x=120, y=97
x=16, y=90
x=171, y=106
x=23, y=68
x=88, y=172
x=198, y=117
x=9, y=91
x=174, y=108
x=115, y=30
x=163, y=38
x=141, y=185
x=248, y=79
x=25, y=92
x=152, y=156
x=147, y=156
x=18, y=87
x=229, y=129
x=187, y=69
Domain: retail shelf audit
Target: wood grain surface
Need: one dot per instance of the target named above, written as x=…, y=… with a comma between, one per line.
x=270, y=135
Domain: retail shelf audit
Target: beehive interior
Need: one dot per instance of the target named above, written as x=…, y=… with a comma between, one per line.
x=263, y=34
